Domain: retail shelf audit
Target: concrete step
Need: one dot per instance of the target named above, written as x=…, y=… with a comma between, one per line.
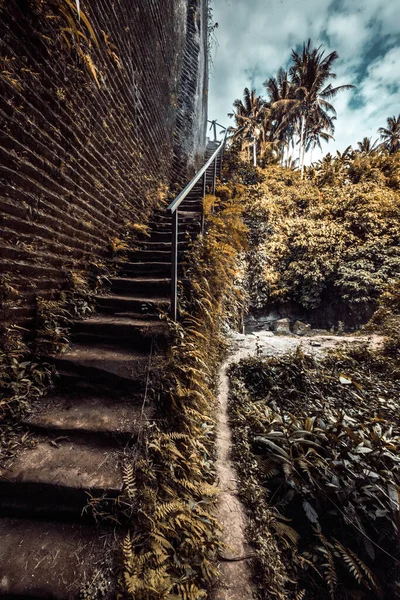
x=98, y=416
x=166, y=236
x=189, y=229
x=146, y=307
x=44, y=559
x=142, y=286
x=109, y=368
x=55, y=477
x=147, y=269
x=120, y=331
x=161, y=245
x=150, y=256
x=186, y=216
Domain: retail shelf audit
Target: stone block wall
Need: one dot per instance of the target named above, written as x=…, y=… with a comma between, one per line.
x=97, y=114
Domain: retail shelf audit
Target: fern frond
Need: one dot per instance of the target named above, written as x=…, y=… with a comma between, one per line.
x=128, y=554
x=128, y=478
x=160, y=539
x=165, y=509
x=284, y=530
x=189, y=591
x=351, y=563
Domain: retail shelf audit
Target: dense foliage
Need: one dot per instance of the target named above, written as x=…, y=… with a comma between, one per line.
x=318, y=443
x=331, y=240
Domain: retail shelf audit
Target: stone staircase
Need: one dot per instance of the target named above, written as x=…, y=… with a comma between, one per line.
x=78, y=436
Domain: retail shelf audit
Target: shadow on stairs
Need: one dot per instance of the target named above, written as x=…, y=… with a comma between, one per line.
x=50, y=543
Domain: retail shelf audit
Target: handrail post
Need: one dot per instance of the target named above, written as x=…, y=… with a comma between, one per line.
x=202, y=203
x=221, y=158
x=174, y=267
x=214, y=176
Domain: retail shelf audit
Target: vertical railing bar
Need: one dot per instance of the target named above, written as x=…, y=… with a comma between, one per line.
x=214, y=176
x=221, y=158
x=174, y=266
x=202, y=201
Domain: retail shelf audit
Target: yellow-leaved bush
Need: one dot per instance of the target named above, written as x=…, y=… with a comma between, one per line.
x=325, y=240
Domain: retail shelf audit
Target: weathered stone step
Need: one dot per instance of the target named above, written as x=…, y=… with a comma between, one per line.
x=147, y=269
x=119, y=330
x=150, y=256
x=190, y=228
x=161, y=245
x=55, y=477
x=191, y=205
x=142, y=286
x=157, y=244
x=43, y=559
x=96, y=415
x=110, y=367
x=166, y=236
x=186, y=216
x=146, y=307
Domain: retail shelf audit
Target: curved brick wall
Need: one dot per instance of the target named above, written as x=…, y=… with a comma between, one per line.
x=88, y=134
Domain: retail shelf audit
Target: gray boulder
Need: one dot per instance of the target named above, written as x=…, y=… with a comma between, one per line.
x=282, y=326
x=300, y=328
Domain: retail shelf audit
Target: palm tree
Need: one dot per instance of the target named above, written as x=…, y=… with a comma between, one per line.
x=366, y=147
x=310, y=73
x=249, y=114
x=280, y=90
x=314, y=135
x=391, y=134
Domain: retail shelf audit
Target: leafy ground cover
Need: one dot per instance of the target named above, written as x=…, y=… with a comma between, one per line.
x=317, y=443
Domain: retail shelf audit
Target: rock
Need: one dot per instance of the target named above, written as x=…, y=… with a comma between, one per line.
x=250, y=319
x=239, y=336
x=300, y=328
x=282, y=326
x=263, y=333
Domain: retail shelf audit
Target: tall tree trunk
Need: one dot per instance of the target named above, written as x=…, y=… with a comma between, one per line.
x=255, y=152
x=301, y=155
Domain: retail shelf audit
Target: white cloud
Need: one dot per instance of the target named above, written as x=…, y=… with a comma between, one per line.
x=256, y=36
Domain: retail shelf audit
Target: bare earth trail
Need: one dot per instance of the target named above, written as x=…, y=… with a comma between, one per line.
x=235, y=582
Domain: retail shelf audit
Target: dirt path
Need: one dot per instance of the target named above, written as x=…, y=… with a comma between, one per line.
x=236, y=582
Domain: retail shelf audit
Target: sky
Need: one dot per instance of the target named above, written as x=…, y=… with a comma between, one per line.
x=255, y=37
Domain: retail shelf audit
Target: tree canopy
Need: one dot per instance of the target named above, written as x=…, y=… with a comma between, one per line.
x=297, y=112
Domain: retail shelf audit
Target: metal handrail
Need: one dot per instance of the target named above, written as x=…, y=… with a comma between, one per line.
x=173, y=209
x=179, y=199
x=214, y=127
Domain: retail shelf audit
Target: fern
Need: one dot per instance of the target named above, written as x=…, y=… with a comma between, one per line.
x=356, y=567
x=166, y=509
x=129, y=480
x=128, y=554
x=285, y=531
